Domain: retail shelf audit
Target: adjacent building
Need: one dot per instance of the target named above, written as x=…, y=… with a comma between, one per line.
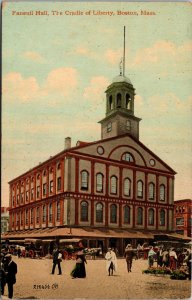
x=107, y=192
x=183, y=216
x=4, y=219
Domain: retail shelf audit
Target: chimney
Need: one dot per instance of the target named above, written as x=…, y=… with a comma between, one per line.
x=67, y=143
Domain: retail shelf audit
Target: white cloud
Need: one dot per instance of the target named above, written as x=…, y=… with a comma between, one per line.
x=163, y=53
x=34, y=56
x=61, y=81
x=17, y=87
x=94, y=92
x=113, y=57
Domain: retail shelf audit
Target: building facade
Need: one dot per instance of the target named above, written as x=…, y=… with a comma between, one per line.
x=4, y=219
x=109, y=191
x=183, y=216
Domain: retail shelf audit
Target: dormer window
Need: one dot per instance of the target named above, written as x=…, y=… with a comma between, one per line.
x=128, y=157
x=109, y=127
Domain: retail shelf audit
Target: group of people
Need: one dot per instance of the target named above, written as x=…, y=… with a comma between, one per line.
x=8, y=274
x=169, y=258
x=79, y=269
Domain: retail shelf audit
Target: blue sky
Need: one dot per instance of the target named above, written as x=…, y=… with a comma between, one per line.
x=56, y=70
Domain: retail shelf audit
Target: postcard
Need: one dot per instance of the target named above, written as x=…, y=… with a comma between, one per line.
x=96, y=149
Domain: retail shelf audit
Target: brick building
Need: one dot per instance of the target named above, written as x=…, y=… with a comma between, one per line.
x=4, y=219
x=183, y=216
x=108, y=192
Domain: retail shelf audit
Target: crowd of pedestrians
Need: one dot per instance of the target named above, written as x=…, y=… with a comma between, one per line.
x=171, y=258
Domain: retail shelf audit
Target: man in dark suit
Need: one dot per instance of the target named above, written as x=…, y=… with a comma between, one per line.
x=56, y=260
x=10, y=271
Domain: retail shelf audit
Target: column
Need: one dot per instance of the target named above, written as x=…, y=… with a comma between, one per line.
x=62, y=175
x=106, y=214
x=40, y=183
x=157, y=201
x=35, y=192
x=76, y=174
x=167, y=196
x=92, y=176
x=47, y=190
x=120, y=214
x=54, y=179
x=92, y=212
x=76, y=211
x=120, y=181
x=107, y=181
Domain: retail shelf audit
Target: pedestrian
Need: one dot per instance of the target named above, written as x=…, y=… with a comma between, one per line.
x=79, y=269
x=129, y=254
x=160, y=257
x=111, y=264
x=173, y=259
x=165, y=259
x=19, y=252
x=10, y=272
x=57, y=258
x=2, y=274
x=151, y=255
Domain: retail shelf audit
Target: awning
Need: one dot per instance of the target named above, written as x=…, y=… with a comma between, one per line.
x=80, y=233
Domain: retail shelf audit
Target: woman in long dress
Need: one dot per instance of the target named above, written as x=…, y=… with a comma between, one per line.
x=79, y=270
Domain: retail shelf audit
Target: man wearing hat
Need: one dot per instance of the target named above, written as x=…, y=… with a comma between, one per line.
x=129, y=254
x=10, y=271
x=111, y=263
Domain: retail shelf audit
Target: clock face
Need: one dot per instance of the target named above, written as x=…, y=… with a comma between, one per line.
x=100, y=150
x=152, y=162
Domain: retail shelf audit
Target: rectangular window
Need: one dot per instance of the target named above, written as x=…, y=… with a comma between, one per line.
x=59, y=183
x=44, y=213
x=179, y=221
x=27, y=196
x=38, y=191
x=17, y=199
x=51, y=186
x=37, y=215
x=32, y=194
x=31, y=216
x=44, y=189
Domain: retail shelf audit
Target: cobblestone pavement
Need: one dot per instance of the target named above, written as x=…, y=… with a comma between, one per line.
x=34, y=281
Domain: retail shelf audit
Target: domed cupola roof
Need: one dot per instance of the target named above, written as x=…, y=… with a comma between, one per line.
x=121, y=78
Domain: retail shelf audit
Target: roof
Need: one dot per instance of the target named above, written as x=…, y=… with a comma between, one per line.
x=121, y=78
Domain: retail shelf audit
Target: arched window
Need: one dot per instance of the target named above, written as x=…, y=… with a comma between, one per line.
x=162, y=217
x=118, y=100
x=21, y=218
x=99, y=183
x=84, y=180
x=128, y=157
x=140, y=216
x=128, y=101
x=151, y=191
x=113, y=213
x=140, y=189
x=26, y=217
x=58, y=211
x=113, y=185
x=84, y=211
x=162, y=192
x=99, y=212
x=50, y=213
x=151, y=216
x=109, y=127
x=37, y=215
x=126, y=214
x=127, y=187
x=110, y=102
x=44, y=213
x=31, y=215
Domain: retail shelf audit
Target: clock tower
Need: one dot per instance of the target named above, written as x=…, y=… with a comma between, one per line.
x=120, y=117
